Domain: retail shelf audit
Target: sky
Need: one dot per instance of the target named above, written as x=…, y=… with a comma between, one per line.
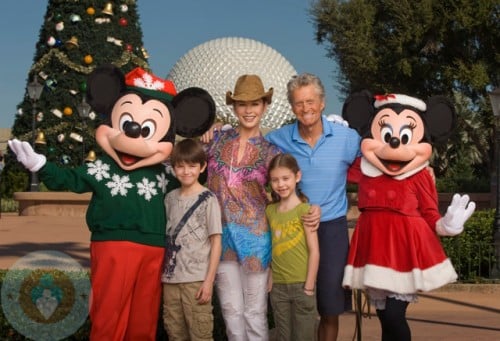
x=170, y=30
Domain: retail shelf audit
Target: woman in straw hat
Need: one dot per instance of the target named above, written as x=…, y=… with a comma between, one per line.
x=237, y=174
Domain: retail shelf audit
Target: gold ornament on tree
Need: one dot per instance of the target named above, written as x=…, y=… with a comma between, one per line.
x=71, y=43
x=40, y=138
x=108, y=9
x=91, y=157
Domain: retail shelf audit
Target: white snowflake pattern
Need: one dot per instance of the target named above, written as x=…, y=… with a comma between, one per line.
x=162, y=182
x=147, y=82
x=98, y=169
x=119, y=185
x=146, y=188
x=168, y=168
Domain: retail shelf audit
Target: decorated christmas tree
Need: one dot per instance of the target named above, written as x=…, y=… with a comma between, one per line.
x=75, y=37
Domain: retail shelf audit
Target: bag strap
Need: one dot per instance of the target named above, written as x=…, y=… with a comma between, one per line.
x=202, y=197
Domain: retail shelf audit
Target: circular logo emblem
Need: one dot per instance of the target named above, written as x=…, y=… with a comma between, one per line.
x=45, y=295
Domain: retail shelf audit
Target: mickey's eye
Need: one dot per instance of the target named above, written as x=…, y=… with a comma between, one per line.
x=148, y=129
x=125, y=120
x=406, y=135
x=386, y=133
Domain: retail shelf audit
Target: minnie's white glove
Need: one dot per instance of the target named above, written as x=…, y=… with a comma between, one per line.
x=337, y=119
x=460, y=209
x=26, y=155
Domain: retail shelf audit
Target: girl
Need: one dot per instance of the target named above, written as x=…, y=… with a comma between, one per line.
x=295, y=254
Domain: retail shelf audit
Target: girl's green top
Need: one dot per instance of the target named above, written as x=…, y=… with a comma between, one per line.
x=289, y=246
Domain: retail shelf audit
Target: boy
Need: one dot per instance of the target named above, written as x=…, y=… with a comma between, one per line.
x=193, y=247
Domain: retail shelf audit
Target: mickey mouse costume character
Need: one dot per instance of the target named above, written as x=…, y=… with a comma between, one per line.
x=126, y=214
x=395, y=250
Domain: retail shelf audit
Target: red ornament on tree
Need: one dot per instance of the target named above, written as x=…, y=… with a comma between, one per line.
x=129, y=47
x=123, y=22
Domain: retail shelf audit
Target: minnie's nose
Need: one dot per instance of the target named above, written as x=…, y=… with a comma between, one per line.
x=394, y=142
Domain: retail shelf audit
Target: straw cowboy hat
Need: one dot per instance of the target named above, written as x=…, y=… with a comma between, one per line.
x=249, y=88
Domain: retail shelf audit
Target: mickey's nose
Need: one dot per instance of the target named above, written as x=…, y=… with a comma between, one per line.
x=132, y=129
x=394, y=142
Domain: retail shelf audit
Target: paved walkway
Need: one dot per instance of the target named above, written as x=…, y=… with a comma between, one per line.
x=456, y=312
x=20, y=235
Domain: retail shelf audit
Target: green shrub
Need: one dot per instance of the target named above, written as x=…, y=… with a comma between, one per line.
x=13, y=178
x=472, y=252
x=9, y=205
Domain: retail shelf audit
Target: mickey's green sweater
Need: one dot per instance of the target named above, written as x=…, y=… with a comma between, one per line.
x=125, y=205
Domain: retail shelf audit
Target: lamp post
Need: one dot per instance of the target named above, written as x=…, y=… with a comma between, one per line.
x=35, y=89
x=83, y=111
x=495, y=104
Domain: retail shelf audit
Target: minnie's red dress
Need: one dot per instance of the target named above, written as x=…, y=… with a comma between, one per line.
x=395, y=247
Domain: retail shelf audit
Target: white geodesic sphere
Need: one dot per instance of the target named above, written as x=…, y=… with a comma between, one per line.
x=216, y=65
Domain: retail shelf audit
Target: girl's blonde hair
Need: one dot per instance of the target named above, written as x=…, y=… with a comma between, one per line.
x=286, y=161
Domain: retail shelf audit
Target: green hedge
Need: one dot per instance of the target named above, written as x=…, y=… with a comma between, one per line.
x=472, y=252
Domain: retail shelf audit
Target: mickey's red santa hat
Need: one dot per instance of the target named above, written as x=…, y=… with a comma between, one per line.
x=381, y=100
x=147, y=83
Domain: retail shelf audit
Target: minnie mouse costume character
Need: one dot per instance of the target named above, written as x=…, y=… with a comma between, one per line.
x=126, y=214
x=395, y=250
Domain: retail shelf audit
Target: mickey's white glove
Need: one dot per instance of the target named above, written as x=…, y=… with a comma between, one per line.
x=26, y=155
x=337, y=119
x=456, y=215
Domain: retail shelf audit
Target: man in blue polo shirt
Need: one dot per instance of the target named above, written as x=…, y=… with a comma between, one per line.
x=324, y=151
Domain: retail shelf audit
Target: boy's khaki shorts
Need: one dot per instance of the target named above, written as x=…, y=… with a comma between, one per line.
x=183, y=317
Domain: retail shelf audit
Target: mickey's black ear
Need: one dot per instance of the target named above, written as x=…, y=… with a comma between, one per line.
x=104, y=86
x=194, y=112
